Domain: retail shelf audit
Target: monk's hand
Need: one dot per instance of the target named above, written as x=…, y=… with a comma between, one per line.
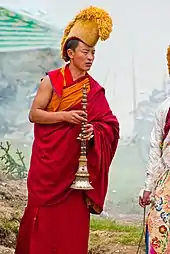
x=144, y=199
x=89, y=132
x=75, y=116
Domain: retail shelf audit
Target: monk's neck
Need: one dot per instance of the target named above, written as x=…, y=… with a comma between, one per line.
x=76, y=73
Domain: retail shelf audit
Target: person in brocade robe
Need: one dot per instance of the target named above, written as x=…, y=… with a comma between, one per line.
x=56, y=219
x=157, y=183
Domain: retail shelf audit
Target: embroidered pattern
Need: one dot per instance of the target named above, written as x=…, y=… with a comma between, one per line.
x=159, y=217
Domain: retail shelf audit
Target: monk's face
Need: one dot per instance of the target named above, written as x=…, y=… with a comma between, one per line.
x=83, y=57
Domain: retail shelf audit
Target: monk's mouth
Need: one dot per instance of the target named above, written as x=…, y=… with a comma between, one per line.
x=88, y=64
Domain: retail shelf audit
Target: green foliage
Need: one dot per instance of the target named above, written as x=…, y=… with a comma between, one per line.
x=10, y=165
x=9, y=226
x=8, y=232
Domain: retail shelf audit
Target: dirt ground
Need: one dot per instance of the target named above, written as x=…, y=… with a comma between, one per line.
x=105, y=244
x=13, y=196
x=4, y=250
x=116, y=248
x=110, y=249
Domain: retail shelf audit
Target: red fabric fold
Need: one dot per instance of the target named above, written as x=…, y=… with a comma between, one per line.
x=58, y=229
x=57, y=81
x=106, y=136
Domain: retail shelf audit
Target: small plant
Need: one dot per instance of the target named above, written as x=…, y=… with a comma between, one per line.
x=17, y=170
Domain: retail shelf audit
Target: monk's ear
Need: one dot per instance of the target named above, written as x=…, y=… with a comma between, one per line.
x=70, y=53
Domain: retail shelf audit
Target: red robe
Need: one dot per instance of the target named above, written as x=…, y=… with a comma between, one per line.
x=56, y=219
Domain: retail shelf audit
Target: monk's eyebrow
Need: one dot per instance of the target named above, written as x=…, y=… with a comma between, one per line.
x=85, y=50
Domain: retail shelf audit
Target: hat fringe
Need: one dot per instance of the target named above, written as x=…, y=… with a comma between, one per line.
x=99, y=16
x=168, y=58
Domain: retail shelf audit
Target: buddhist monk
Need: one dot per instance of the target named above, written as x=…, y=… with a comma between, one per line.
x=56, y=218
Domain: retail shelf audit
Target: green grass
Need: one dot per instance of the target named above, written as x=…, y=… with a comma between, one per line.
x=112, y=225
x=126, y=234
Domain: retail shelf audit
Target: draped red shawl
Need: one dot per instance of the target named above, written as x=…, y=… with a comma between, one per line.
x=56, y=151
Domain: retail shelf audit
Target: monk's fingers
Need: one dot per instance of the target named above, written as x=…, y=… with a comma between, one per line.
x=79, y=118
x=81, y=113
x=91, y=136
x=89, y=131
x=89, y=127
x=88, y=136
x=74, y=120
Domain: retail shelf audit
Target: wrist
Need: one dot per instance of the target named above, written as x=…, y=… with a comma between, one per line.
x=64, y=116
x=61, y=116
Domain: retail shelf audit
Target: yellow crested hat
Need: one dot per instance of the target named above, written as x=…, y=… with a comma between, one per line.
x=90, y=25
x=168, y=59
